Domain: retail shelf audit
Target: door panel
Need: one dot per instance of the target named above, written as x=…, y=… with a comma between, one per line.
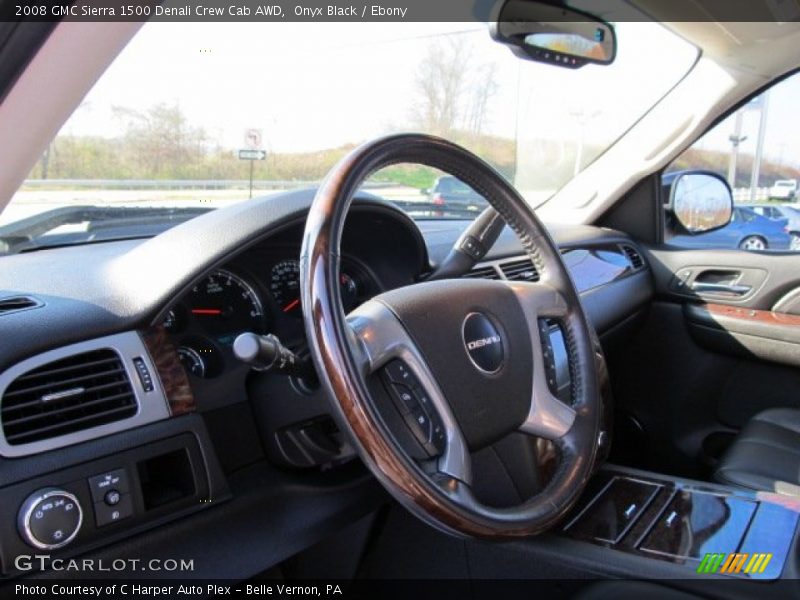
x=770, y=275
x=720, y=344
x=745, y=332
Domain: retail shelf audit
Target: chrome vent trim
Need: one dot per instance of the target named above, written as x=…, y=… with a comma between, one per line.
x=109, y=384
x=66, y=396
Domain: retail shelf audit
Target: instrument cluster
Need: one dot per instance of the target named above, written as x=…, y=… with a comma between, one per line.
x=241, y=298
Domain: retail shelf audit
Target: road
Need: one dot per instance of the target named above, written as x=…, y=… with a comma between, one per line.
x=29, y=202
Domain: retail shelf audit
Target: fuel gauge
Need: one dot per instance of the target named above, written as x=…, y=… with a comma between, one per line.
x=192, y=361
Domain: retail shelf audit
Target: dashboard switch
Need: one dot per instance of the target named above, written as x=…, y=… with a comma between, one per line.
x=473, y=248
x=105, y=514
x=100, y=485
x=112, y=497
x=144, y=374
x=50, y=518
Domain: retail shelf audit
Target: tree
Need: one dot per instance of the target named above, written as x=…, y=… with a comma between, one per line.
x=484, y=87
x=453, y=92
x=440, y=83
x=160, y=142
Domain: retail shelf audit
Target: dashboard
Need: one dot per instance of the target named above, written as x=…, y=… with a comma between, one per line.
x=185, y=425
x=260, y=294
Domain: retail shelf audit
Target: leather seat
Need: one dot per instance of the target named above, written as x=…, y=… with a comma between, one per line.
x=766, y=454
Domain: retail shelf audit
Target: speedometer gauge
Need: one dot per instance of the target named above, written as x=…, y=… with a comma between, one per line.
x=224, y=305
x=285, y=286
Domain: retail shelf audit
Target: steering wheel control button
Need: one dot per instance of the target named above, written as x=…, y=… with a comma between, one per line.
x=398, y=372
x=404, y=397
x=420, y=425
x=106, y=514
x=427, y=427
x=100, y=485
x=483, y=343
x=547, y=328
x=50, y=518
x=415, y=406
x=403, y=386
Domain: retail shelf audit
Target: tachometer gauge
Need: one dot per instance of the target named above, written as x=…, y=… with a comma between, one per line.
x=224, y=305
x=285, y=286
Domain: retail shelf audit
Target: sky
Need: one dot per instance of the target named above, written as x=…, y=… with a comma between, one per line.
x=782, y=134
x=310, y=86
x=228, y=77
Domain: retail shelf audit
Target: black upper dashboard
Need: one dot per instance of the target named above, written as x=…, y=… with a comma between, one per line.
x=100, y=289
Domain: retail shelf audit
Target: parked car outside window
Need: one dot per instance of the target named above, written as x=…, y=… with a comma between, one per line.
x=784, y=189
x=747, y=231
x=789, y=213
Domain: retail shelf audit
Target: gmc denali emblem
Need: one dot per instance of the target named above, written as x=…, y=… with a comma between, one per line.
x=483, y=343
x=495, y=339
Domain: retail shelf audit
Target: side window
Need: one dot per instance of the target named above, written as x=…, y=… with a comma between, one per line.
x=757, y=150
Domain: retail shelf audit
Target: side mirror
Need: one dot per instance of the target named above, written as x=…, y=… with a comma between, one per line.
x=700, y=201
x=425, y=192
x=555, y=34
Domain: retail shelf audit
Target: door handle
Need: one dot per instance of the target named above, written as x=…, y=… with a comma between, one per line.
x=727, y=289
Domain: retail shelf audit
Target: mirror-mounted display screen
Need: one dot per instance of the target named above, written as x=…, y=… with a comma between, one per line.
x=554, y=34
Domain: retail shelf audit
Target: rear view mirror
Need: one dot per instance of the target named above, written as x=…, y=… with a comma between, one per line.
x=558, y=35
x=700, y=201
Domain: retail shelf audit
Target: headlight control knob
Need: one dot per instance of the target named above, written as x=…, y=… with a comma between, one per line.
x=50, y=518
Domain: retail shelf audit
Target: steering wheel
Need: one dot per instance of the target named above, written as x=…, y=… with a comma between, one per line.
x=423, y=375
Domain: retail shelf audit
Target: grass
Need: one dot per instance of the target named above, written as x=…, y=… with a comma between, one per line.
x=416, y=176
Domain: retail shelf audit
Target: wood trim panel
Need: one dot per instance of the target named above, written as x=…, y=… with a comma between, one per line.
x=762, y=316
x=170, y=371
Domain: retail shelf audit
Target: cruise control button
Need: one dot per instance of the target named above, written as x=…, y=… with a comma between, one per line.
x=404, y=398
x=423, y=400
x=398, y=372
x=420, y=425
x=438, y=438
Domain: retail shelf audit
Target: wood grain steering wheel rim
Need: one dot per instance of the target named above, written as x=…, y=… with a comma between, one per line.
x=349, y=350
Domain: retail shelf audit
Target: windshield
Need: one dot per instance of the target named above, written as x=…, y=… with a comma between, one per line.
x=196, y=116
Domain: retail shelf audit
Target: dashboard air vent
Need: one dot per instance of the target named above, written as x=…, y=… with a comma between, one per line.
x=520, y=270
x=17, y=303
x=483, y=273
x=633, y=255
x=68, y=395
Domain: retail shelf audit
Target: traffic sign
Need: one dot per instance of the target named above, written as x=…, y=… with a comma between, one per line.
x=252, y=138
x=252, y=154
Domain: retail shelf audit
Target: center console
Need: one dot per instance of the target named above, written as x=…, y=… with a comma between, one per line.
x=705, y=529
